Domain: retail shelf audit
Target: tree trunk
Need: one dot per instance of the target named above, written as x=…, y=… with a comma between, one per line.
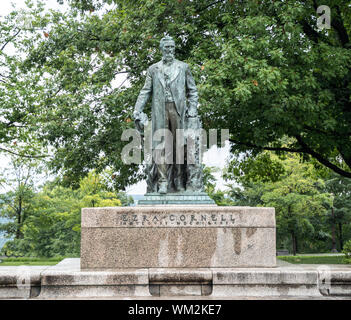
x=19, y=214
x=333, y=232
x=18, y=227
x=341, y=240
x=294, y=243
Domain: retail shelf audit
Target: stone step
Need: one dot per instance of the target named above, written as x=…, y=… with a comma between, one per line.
x=67, y=281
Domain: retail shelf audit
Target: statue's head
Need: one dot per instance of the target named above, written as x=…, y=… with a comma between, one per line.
x=167, y=47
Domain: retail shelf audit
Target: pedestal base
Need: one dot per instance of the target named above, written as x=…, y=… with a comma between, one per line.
x=66, y=280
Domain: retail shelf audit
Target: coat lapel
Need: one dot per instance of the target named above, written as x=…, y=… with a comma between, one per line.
x=160, y=74
x=176, y=71
x=174, y=75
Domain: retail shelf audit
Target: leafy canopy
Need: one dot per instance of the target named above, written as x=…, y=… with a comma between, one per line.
x=263, y=70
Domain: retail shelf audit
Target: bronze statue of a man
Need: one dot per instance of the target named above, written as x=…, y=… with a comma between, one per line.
x=174, y=106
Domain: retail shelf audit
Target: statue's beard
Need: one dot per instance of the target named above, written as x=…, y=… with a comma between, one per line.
x=168, y=57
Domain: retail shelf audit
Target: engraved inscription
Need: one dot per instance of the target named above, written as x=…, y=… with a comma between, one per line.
x=173, y=220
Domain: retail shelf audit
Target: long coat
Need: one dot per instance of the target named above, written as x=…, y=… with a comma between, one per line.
x=182, y=86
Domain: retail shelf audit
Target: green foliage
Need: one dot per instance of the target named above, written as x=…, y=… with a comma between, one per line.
x=209, y=178
x=298, y=199
x=347, y=252
x=263, y=167
x=274, y=80
x=249, y=195
x=339, y=215
x=52, y=226
x=263, y=70
x=20, y=92
x=16, y=203
x=221, y=198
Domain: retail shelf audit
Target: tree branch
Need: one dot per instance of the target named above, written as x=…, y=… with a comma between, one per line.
x=8, y=41
x=120, y=72
x=305, y=149
x=344, y=156
x=250, y=145
x=210, y=5
x=321, y=159
x=312, y=34
x=23, y=155
x=7, y=77
x=332, y=134
x=338, y=25
x=93, y=36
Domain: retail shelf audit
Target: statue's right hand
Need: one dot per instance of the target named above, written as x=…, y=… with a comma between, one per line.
x=143, y=118
x=140, y=116
x=136, y=115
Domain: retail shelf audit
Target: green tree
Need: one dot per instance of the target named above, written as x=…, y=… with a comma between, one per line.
x=53, y=228
x=220, y=197
x=209, y=178
x=297, y=196
x=53, y=222
x=262, y=167
x=281, y=77
x=16, y=202
x=94, y=193
x=264, y=70
x=20, y=91
x=340, y=212
x=247, y=194
x=347, y=252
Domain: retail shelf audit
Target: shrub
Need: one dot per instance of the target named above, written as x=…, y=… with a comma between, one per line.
x=347, y=251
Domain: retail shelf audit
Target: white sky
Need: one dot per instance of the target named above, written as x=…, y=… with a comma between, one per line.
x=6, y=7
x=214, y=157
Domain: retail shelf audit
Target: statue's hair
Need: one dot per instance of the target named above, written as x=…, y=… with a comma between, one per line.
x=164, y=39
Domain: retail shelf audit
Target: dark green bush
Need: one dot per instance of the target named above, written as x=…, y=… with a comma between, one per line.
x=347, y=252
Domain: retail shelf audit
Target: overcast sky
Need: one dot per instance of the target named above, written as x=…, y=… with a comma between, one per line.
x=214, y=157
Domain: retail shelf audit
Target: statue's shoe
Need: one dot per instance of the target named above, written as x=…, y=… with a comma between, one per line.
x=180, y=189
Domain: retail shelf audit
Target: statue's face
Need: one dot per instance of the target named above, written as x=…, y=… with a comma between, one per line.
x=168, y=50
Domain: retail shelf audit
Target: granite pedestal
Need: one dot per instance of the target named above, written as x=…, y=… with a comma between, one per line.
x=177, y=237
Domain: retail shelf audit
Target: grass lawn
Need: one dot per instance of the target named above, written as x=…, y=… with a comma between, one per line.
x=313, y=259
x=30, y=261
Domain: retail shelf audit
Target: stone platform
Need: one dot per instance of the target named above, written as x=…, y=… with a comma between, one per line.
x=66, y=280
x=177, y=237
